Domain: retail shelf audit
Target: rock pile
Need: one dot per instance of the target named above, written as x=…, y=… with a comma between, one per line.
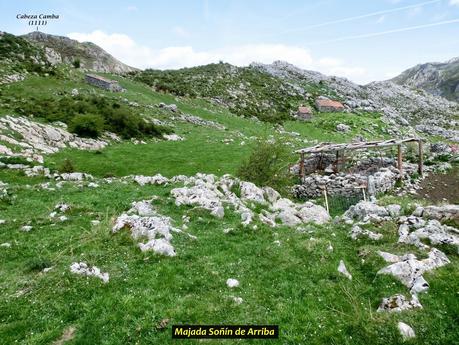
x=144, y=222
x=212, y=193
x=172, y=137
x=195, y=120
x=83, y=269
x=38, y=139
x=413, y=230
x=409, y=270
x=398, y=303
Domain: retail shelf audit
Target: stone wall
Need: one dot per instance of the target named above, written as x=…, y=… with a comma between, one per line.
x=103, y=83
x=344, y=184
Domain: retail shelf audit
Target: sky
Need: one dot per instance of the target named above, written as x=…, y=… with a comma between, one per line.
x=357, y=39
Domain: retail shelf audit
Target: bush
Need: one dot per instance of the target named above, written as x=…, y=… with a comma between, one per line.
x=76, y=63
x=267, y=165
x=67, y=166
x=129, y=125
x=89, y=116
x=87, y=125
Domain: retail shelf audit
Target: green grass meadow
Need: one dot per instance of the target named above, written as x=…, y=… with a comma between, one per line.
x=294, y=284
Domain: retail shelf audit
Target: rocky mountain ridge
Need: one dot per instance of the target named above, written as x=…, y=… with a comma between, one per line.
x=400, y=104
x=274, y=92
x=437, y=78
x=60, y=49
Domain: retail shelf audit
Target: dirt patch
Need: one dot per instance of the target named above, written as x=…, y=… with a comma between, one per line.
x=441, y=187
x=68, y=334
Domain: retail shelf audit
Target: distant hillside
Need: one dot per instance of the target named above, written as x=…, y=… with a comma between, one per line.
x=440, y=79
x=274, y=91
x=246, y=91
x=90, y=56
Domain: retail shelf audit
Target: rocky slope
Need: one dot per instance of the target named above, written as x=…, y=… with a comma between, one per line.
x=63, y=49
x=401, y=105
x=437, y=78
x=18, y=57
x=274, y=91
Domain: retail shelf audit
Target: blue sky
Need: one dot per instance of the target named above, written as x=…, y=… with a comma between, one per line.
x=360, y=40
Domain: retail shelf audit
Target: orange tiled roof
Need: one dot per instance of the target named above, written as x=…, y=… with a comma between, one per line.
x=304, y=110
x=329, y=103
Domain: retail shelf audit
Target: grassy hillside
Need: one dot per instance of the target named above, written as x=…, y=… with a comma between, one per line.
x=18, y=56
x=293, y=282
x=295, y=285
x=201, y=143
x=246, y=91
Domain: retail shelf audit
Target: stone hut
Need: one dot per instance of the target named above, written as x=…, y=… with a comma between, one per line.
x=104, y=83
x=304, y=113
x=324, y=104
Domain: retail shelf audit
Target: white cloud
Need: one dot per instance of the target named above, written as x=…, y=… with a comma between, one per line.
x=128, y=51
x=454, y=2
x=381, y=19
x=181, y=32
x=132, y=8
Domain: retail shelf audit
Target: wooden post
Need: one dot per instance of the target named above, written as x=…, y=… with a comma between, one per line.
x=421, y=158
x=399, y=160
x=337, y=162
x=326, y=200
x=302, y=167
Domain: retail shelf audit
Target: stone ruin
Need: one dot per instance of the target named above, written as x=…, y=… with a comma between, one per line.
x=327, y=168
x=375, y=175
x=104, y=83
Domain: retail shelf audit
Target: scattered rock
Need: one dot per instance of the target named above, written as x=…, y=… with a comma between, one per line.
x=37, y=139
x=357, y=232
x=398, y=303
x=405, y=331
x=157, y=179
x=237, y=300
x=26, y=228
x=231, y=283
x=143, y=221
x=67, y=335
x=442, y=213
x=172, y=137
x=341, y=127
x=409, y=271
x=83, y=269
x=343, y=270
x=366, y=210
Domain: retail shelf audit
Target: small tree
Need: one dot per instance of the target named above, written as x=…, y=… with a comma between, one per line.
x=67, y=166
x=87, y=125
x=76, y=63
x=267, y=165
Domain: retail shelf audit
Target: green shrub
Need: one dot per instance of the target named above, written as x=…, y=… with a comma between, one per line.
x=67, y=166
x=76, y=63
x=37, y=264
x=87, y=125
x=268, y=165
x=129, y=125
x=89, y=116
x=15, y=160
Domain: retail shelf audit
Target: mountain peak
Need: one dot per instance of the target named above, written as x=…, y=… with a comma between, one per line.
x=440, y=79
x=63, y=49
